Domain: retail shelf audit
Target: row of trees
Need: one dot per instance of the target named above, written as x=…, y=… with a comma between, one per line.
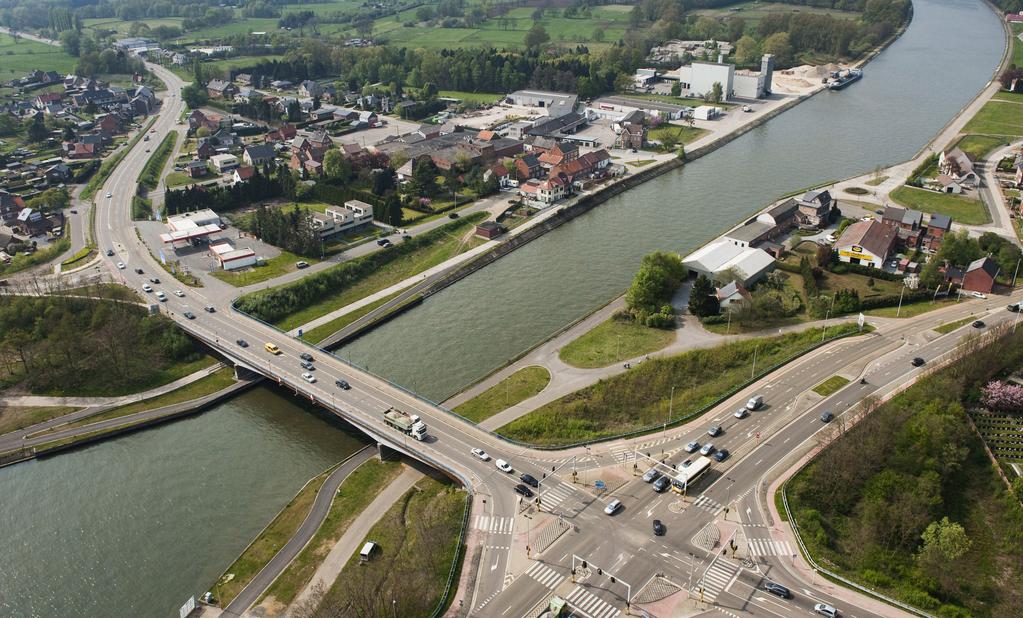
x=262, y=186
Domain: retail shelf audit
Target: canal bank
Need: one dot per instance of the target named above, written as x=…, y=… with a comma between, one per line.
x=473, y=327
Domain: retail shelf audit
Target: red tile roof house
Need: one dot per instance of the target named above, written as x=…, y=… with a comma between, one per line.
x=980, y=275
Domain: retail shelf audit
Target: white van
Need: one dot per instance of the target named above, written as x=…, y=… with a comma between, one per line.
x=755, y=402
x=367, y=552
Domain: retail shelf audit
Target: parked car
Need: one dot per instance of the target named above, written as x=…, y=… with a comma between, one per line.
x=242, y=343
x=707, y=449
x=721, y=455
x=343, y=385
x=917, y=362
x=692, y=447
x=778, y=590
x=979, y=295
x=714, y=431
x=651, y=475
x=503, y=465
x=523, y=490
x=827, y=416
x=308, y=377
x=662, y=484
x=528, y=479
x=480, y=454
x=613, y=507
x=659, y=528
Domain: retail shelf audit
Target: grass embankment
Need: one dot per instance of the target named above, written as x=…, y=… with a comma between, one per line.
x=353, y=496
x=13, y=418
x=269, y=269
x=517, y=387
x=830, y=386
x=107, y=168
x=961, y=209
x=999, y=116
x=612, y=341
x=639, y=398
x=979, y=146
x=864, y=504
x=149, y=177
x=327, y=329
x=479, y=98
x=216, y=381
x=83, y=255
x=292, y=305
x=141, y=208
x=418, y=542
x=945, y=329
x=909, y=310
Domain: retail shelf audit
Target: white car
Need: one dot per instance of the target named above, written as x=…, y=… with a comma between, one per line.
x=612, y=507
x=707, y=449
x=480, y=454
x=741, y=413
x=825, y=610
x=160, y=296
x=978, y=295
x=692, y=447
x=308, y=377
x=502, y=465
x=146, y=287
x=179, y=293
x=120, y=265
x=109, y=195
x=747, y=108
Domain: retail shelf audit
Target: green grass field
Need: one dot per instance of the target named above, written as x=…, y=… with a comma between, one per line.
x=612, y=341
x=754, y=12
x=961, y=209
x=516, y=388
x=978, y=146
x=997, y=117
x=683, y=135
x=482, y=98
x=274, y=267
x=19, y=57
x=831, y=385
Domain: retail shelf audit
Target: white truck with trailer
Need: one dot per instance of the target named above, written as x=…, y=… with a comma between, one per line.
x=408, y=424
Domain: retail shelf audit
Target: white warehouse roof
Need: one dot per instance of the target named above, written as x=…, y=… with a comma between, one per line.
x=722, y=255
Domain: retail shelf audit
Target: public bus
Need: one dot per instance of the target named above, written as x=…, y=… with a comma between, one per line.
x=688, y=473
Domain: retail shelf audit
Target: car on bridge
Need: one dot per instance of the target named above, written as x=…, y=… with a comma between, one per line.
x=272, y=348
x=308, y=377
x=189, y=315
x=242, y=343
x=651, y=475
x=503, y=466
x=480, y=454
x=306, y=356
x=308, y=366
x=827, y=416
x=345, y=386
x=523, y=490
x=692, y=447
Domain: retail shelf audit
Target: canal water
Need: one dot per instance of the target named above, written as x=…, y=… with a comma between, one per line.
x=136, y=525
x=906, y=96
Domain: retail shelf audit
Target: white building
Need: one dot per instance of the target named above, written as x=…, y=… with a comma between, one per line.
x=338, y=219
x=556, y=103
x=721, y=255
x=698, y=79
x=191, y=226
x=231, y=258
x=224, y=162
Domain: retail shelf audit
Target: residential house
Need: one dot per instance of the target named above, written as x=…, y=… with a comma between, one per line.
x=309, y=88
x=527, y=167
x=958, y=166
x=281, y=85
x=283, y=133
x=561, y=153
x=57, y=173
x=258, y=154
x=937, y=227
x=500, y=172
x=205, y=149
x=946, y=184
x=980, y=275
x=781, y=217
x=632, y=136
x=548, y=191
x=908, y=223
x=220, y=89
x=47, y=98
x=31, y=222
x=539, y=145
x=350, y=150
x=814, y=208
x=224, y=162
x=732, y=295
x=869, y=243
x=111, y=124
x=242, y=174
x=245, y=79
x=79, y=150
x=211, y=122
x=196, y=169
x=489, y=230
x=10, y=206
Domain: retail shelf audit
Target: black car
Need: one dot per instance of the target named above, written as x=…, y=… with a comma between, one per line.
x=343, y=385
x=306, y=356
x=308, y=366
x=189, y=315
x=978, y=324
x=827, y=417
x=110, y=252
x=662, y=484
x=242, y=343
x=659, y=528
x=721, y=455
x=154, y=280
x=138, y=271
x=383, y=242
x=406, y=237
x=778, y=589
x=917, y=362
x=453, y=215
x=523, y=490
x=529, y=480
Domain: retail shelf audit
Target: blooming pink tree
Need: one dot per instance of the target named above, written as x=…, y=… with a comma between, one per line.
x=1002, y=397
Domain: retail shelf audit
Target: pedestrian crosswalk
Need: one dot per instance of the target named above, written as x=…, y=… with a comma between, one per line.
x=553, y=495
x=495, y=525
x=591, y=605
x=705, y=503
x=545, y=575
x=623, y=454
x=767, y=547
x=716, y=578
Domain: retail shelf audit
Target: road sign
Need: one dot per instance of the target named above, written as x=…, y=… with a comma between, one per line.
x=599, y=484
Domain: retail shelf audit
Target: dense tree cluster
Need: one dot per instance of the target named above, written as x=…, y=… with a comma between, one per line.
x=291, y=230
x=659, y=275
x=261, y=186
x=958, y=249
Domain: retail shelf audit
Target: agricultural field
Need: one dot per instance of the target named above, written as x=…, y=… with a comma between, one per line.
x=753, y=12
x=19, y=56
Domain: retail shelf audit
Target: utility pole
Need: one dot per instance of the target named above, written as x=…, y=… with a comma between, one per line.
x=826, y=315
x=901, y=292
x=671, y=403
x=753, y=372
x=1015, y=272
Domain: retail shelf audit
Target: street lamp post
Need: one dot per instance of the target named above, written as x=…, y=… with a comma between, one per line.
x=671, y=404
x=826, y=315
x=901, y=292
x=753, y=371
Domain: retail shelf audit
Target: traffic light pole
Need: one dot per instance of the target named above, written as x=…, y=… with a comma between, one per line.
x=614, y=578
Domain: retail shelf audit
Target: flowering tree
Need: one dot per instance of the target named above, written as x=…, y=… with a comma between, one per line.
x=1002, y=397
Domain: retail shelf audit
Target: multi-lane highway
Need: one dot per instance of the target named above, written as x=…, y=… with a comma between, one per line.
x=508, y=581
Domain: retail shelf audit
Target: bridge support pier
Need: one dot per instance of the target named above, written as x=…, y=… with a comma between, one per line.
x=242, y=373
x=386, y=453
